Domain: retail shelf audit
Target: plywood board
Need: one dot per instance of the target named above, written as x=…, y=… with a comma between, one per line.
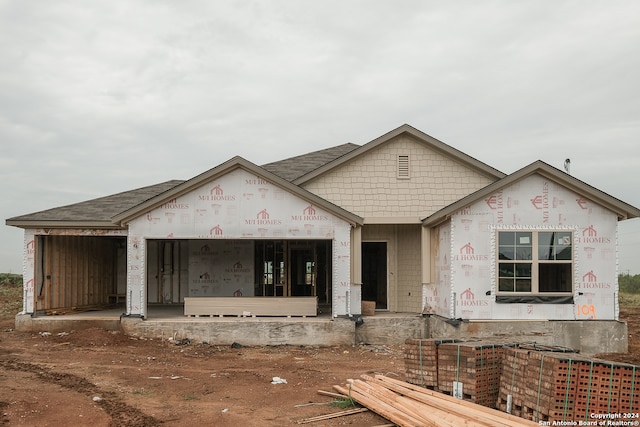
x=250, y=306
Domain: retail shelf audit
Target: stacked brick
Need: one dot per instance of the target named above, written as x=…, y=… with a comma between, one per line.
x=565, y=386
x=512, y=390
x=421, y=361
x=470, y=370
x=534, y=382
x=629, y=399
x=550, y=385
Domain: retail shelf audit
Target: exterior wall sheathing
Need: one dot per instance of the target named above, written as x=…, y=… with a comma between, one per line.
x=466, y=254
x=239, y=206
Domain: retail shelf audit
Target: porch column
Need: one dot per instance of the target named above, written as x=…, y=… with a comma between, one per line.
x=356, y=255
x=136, y=276
x=31, y=250
x=425, y=243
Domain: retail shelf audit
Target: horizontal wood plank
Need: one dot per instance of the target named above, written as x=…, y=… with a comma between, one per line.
x=250, y=306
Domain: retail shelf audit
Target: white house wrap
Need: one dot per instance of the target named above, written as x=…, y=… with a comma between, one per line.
x=404, y=222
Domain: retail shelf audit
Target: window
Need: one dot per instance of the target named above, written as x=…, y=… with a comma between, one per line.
x=403, y=167
x=535, y=262
x=308, y=273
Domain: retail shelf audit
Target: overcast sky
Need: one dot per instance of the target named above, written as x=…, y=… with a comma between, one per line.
x=102, y=97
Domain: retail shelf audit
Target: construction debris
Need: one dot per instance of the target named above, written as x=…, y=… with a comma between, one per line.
x=410, y=405
x=278, y=380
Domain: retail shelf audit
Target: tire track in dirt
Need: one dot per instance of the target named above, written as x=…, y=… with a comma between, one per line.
x=119, y=412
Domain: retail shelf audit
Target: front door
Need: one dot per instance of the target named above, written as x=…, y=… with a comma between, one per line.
x=374, y=273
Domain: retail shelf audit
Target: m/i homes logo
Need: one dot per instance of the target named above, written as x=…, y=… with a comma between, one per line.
x=217, y=193
x=468, y=299
x=590, y=235
x=237, y=267
x=174, y=204
x=204, y=278
x=263, y=218
x=216, y=231
x=309, y=213
x=590, y=281
x=468, y=253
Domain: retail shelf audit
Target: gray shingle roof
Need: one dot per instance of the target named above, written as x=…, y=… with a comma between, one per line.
x=100, y=211
x=295, y=167
x=96, y=210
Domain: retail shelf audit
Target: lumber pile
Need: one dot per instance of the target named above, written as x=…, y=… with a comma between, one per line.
x=406, y=404
x=562, y=386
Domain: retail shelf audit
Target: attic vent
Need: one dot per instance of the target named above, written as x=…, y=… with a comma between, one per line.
x=403, y=167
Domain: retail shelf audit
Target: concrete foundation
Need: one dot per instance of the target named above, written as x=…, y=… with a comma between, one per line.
x=247, y=331
x=55, y=324
x=390, y=329
x=588, y=336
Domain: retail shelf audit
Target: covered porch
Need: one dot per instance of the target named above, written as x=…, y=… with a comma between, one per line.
x=80, y=273
x=169, y=322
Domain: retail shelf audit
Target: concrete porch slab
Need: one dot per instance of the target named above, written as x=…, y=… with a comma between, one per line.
x=169, y=321
x=384, y=328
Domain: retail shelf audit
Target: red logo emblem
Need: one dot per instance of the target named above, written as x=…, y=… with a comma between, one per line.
x=467, y=249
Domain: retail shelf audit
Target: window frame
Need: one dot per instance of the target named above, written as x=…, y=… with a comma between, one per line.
x=534, y=294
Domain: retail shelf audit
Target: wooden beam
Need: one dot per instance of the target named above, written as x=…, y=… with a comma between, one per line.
x=449, y=403
x=382, y=408
x=410, y=405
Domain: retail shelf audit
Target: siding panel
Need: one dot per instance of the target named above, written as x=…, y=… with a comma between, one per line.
x=369, y=185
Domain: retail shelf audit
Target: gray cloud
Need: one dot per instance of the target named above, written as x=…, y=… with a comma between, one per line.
x=103, y=97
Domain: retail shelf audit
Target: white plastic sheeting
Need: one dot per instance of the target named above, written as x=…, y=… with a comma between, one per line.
x=466, y=254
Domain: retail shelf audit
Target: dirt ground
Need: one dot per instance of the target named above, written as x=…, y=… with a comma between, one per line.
x=101, y=378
